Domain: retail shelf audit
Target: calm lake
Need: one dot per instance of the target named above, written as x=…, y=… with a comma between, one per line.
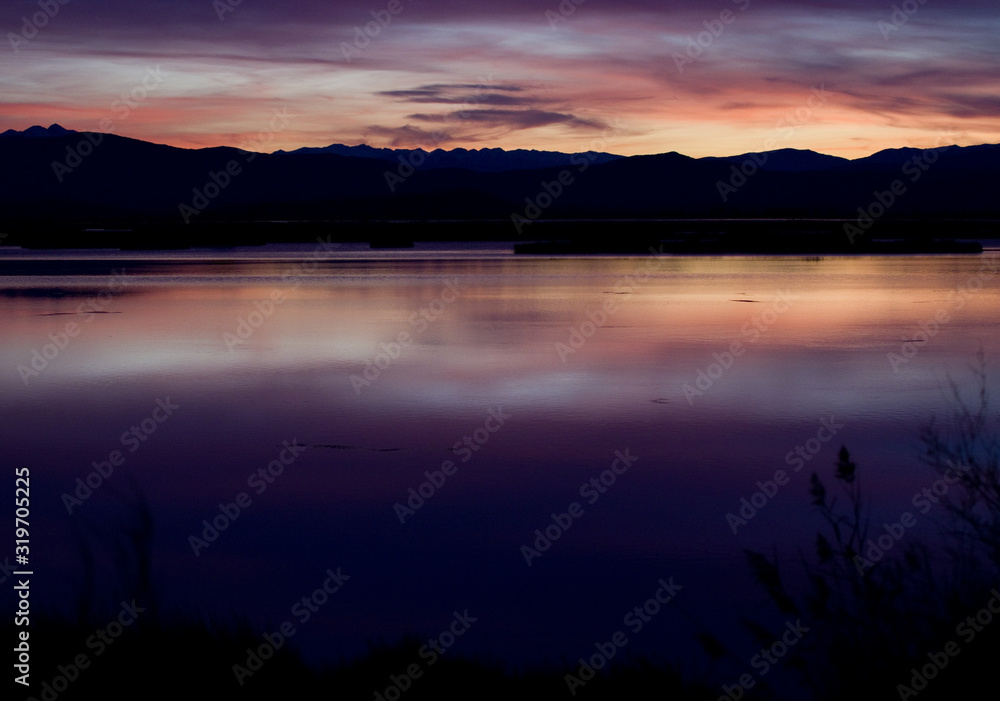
x=624, y=406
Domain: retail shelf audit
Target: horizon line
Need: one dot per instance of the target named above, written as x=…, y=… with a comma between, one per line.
x=500, y=148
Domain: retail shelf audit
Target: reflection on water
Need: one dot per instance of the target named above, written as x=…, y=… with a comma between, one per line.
x=332, y=400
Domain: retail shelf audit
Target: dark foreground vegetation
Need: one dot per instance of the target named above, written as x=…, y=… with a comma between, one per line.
x=909, y=620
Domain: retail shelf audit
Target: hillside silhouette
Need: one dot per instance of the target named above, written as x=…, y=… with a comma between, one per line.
x=59, y=187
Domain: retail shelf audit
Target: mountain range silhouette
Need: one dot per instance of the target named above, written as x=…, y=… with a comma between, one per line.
x=57, y=185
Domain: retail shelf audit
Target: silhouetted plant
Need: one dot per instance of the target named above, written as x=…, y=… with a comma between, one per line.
x=971, y=448
x=876, y=615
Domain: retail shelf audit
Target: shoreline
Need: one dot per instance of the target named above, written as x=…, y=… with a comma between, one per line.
x=567, y=237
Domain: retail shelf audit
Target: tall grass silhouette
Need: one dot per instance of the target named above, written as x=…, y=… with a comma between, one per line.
x=882, y=617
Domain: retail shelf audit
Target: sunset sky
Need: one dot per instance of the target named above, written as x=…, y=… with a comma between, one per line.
x=845, y=77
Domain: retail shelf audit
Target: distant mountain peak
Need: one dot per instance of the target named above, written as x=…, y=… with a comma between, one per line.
x=482, y=160
x=790, y=160
x=39, y=132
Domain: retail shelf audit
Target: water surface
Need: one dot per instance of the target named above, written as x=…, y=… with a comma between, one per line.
x=585, y=360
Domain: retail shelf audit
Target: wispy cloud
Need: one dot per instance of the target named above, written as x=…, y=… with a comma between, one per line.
x=516, y=119
x=608, y=62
